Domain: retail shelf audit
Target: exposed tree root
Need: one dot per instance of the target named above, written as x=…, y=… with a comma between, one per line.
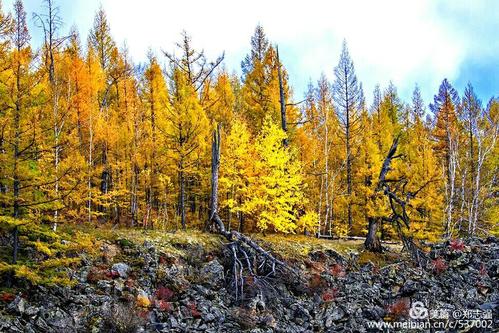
x=251, y=264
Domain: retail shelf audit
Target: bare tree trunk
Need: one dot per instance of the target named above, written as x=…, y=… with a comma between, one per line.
x=90, y=167
x=133, y=194
x=229, y=212
x=319, y=227
x=482, y=153
x=399, y=216
x=452, y=165
x=241, y=219
x=215, y=166
x=3, y=180
x=372, y=242
x=326, y=163
x=16, y=176
x=182, y=197
x=282, y=101
x=349, y=168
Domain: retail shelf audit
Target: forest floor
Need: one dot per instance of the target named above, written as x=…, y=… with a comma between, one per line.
x=122, y=280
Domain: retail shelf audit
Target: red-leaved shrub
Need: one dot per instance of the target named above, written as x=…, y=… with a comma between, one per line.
x=483, y=270
x=164, y=293
x=130, y=283
x=314, y=266
x=316, y=282
x=439, y=265
x=112, y=274
x=329, y=295
x=164, y=305
x=7, y=297
x=144, y=314
x=97, y=273
x=249, y=280
x=194, y=310
x=337, y=270
x=399, y=308
x=456, y=245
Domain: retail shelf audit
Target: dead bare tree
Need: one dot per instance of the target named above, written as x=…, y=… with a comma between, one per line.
x=50, y=23
x=251, y=264
x=399, y=201
x=282, y=102
x=193, y=63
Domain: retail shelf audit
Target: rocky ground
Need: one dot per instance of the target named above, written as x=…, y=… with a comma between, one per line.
x=141, y=287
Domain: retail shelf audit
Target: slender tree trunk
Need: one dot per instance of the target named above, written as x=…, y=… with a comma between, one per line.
x=321, y=190
x=282, y=101
x=90, y=167
x=229, y=212
x=472, y=188
x=135, y=173
x=326, y=165
x=215, y=166
x=182, y=197
x=57, y=148
x=16, y=176
x=451, y=179
x=349, y=159
x=152, y=177
x=3, y=180
x=372, y=242
x=241, y=218
x=134, y=201
x=55, y=107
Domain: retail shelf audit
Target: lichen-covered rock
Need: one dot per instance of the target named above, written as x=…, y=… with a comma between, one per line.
x=121, y=269
x=17, y=306
x=152, y=291
x=213, y=273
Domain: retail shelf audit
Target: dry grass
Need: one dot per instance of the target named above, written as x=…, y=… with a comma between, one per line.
x=181, y=243
x=299, y=246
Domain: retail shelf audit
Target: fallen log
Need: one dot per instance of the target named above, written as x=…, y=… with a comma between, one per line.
x=332, y=237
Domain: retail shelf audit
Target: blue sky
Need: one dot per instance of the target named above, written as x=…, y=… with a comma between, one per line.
x=407, y=42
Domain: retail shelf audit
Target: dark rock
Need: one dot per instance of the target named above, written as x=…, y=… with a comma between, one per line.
x=17, y=306
x=199, y=297
x=121, y=269
x=213, y=273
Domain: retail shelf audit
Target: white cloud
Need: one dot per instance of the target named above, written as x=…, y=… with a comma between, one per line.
x=403, y=41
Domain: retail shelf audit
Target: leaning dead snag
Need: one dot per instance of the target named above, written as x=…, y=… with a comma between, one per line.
x=251, y=264
x=399, y=200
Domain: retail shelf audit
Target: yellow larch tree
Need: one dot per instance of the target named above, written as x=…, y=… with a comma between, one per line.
x=155, y=101
x=186, y=133
x=424, y=180
x=276, y=186
x=237, y=167
x=218, y=100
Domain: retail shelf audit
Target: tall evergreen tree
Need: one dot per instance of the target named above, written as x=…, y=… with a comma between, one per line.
x=21, y=128
x=186, y=135
x=101, y=40
x=347, y=95
x=445, y=132
x=418, y=107
x=471, y=109
x=376, y=100
x=259, y=47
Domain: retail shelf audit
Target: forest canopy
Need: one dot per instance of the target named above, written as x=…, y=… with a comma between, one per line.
x=88, y=136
